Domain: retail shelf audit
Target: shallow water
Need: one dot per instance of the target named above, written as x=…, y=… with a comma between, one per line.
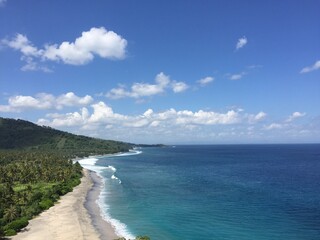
x=214, y=192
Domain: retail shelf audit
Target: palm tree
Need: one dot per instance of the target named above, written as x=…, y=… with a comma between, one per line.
x=10, y=213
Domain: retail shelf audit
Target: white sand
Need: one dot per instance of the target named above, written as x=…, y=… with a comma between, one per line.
x=69, y=219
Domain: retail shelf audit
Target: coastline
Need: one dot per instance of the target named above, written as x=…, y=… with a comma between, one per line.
x=105, y=229
x=75, y=216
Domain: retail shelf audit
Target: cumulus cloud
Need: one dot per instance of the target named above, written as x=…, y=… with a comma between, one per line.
x=68, y=119
x=44, y=101
x=294, y=116
x=139, y=90
x=95, y=42
x=103, y=115
x=256, y=118
x=241, y=42
x=21, y=43
x=205, y=81
x=286, y=124
x=314, y=67
x=179, y=87
x=176, y=125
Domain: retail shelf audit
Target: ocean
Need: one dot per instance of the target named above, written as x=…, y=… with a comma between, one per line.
x=218, y=192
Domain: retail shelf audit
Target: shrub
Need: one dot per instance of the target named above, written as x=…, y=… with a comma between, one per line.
x=36, y=196
x=1, y=232
x=46, y=204
x=16, y=225
x=34, y=209
x=142, y=238
x=10, y=232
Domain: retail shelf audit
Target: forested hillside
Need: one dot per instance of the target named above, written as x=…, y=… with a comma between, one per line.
x=20, y=134
x=36, y=168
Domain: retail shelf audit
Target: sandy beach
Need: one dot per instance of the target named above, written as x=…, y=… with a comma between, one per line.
x=75, y=216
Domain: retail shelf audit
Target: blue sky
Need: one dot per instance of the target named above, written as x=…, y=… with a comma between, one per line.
x=164, y=71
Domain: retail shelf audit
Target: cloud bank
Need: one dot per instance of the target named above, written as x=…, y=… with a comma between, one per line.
x=103, y=115
x=84, y=115
x=44, y=101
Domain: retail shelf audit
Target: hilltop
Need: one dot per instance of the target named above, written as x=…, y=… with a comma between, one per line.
x=24, y=135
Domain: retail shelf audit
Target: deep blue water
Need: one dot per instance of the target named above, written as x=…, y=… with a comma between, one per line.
x=220, y=192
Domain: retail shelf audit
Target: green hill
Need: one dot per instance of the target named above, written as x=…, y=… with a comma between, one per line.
x=21, y=134
x=36, y=168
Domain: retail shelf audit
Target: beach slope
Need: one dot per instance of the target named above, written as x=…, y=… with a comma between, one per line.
x=67, y=219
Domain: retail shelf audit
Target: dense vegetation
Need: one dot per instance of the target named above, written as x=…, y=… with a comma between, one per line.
x=30, y=184
x=20, y=134
x=36, y=168
x=137, y=238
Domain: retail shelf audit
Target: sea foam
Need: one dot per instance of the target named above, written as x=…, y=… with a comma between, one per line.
x=112, y=168
x=131, y=152
x=89, y=163
x=119, y=227
x=115, y=178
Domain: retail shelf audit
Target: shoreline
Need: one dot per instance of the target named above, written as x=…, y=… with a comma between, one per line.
x=104, y=228
x=75, y=215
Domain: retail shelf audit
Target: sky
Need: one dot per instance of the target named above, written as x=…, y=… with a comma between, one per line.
x=172, y=72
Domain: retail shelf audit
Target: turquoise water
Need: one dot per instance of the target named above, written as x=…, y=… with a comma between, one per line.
x=215, y=192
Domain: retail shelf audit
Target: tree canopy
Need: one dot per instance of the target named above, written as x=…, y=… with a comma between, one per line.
x=36, y=168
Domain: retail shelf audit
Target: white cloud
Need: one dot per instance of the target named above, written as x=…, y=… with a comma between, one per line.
x=29, y=52
x=31, y=65
x=273, y=126
x=314, y=67
x=95, y=42
x=207, y=118
x=256, y=118
x=70, y=99
x=294, y=116
x=68, y=119
x=179, y=87
x=44, y=101
x=205, y=81
x=139, y=90
x=237, y=76
x=241, y=42
x=7, y=108
x=177, y=126
x=260, y=116
x=103, y=115
x=21, y=43
x=184, y=125
x=145, y=89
